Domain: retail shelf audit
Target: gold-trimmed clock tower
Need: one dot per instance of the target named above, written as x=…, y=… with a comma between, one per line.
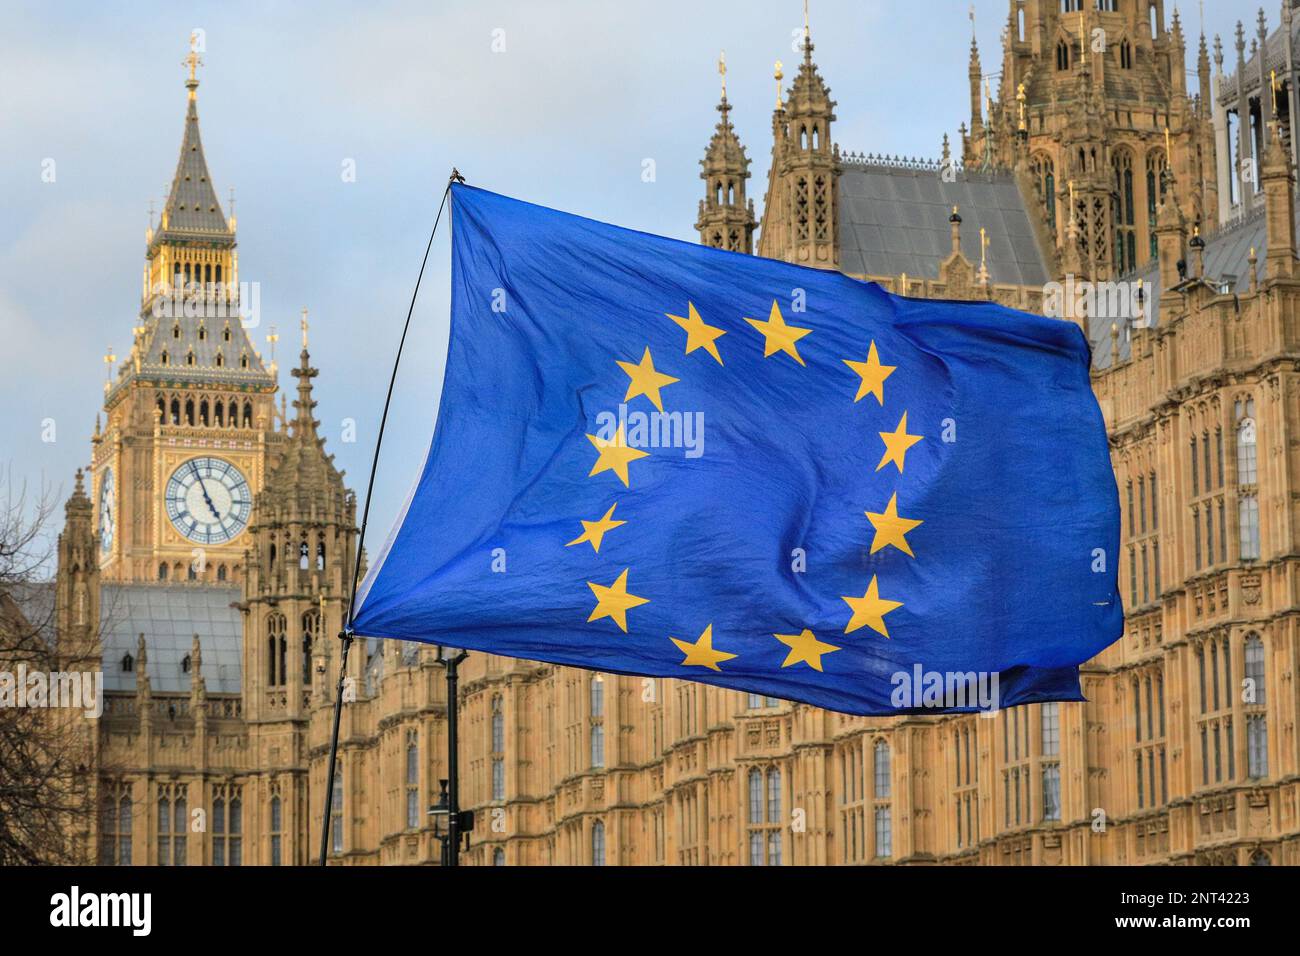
x=190, y=414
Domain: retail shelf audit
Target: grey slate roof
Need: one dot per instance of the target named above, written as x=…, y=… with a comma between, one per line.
x=160, y=337
x=192, y=205
x=169, y=615
x=894, y=219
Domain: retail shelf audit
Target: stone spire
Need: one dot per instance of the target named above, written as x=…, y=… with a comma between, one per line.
x=803, y=192
x=192, y=209
x=299, y=563
x=726, y=220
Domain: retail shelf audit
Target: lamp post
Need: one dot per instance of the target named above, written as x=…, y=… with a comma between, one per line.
x=449, y=821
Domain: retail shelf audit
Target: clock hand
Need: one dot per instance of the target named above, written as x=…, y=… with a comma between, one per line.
x=203, y=488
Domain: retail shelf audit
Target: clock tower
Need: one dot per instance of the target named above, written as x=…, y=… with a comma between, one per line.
x=189, y=417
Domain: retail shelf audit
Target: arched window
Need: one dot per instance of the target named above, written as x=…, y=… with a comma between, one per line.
x=162, y=572
x=189, y=357
x=304, y=556
x=755, y=796
x=276, y=651
x=176, y=330
x=162, y=409
x=498, y=743
x=164, y=359
x=598, y=844
x=236, y=832
x=220, y=360
x=1043, y=171
x=248, y=414
x=233, y=418
x=412, y=781
x=1155, y=195
x=597, y=701
x=203, y=412
x=189, y=410
x=203, y=333
x=320, y=555
x=1260, y=858
x=124, y=831
x=1247, y=477
x=1255, y=670
x=1256, y=717
x=1062, y=55
x=219, y=832
x=310, y=625
x=1125, y=236
x=1125, y=55
x=128, y=663
x=219, y=413
x=498, y=857
x=880, y=770
x=277, y=824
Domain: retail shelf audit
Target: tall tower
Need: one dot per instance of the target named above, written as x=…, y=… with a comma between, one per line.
x=1099, y=86
x=800, y=214
x=190, y=413
x=299, y=562
x=726, y=219
x=299, y=565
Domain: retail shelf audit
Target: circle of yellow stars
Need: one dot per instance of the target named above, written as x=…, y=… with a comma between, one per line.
x=613, y=454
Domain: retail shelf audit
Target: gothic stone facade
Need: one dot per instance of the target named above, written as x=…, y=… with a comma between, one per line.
x=213, y=747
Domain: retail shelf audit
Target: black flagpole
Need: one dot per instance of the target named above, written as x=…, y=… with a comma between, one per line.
x=347, y=634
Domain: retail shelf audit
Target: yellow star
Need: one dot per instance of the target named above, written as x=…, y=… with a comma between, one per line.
x=701, y=653
x=804, y=647
x=779, y=337
x=614, y=602
x=645, y=380
x=873, y=375
x=593, y=532
x=897, y=443
x=870, y=609
x=890, y=528
x=614, y=455
x=699, y=335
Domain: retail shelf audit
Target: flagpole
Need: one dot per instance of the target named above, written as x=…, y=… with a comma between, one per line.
x=347, y=634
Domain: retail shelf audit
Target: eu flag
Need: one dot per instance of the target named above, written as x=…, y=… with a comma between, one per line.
x=661, y=459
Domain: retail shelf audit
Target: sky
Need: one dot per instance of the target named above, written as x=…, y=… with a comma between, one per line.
x=560, y=103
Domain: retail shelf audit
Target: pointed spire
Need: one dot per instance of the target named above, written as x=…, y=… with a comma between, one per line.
x=304, y=424
x=725, y=220
x=192, y=205
x=807, y=36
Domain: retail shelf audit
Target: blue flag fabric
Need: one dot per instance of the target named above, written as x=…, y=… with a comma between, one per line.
x=657, y=458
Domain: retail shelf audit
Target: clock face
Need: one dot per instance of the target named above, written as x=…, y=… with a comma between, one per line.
x=107, y=511
x=208, y=500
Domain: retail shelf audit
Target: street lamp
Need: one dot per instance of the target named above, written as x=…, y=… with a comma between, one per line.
x=449, y=821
